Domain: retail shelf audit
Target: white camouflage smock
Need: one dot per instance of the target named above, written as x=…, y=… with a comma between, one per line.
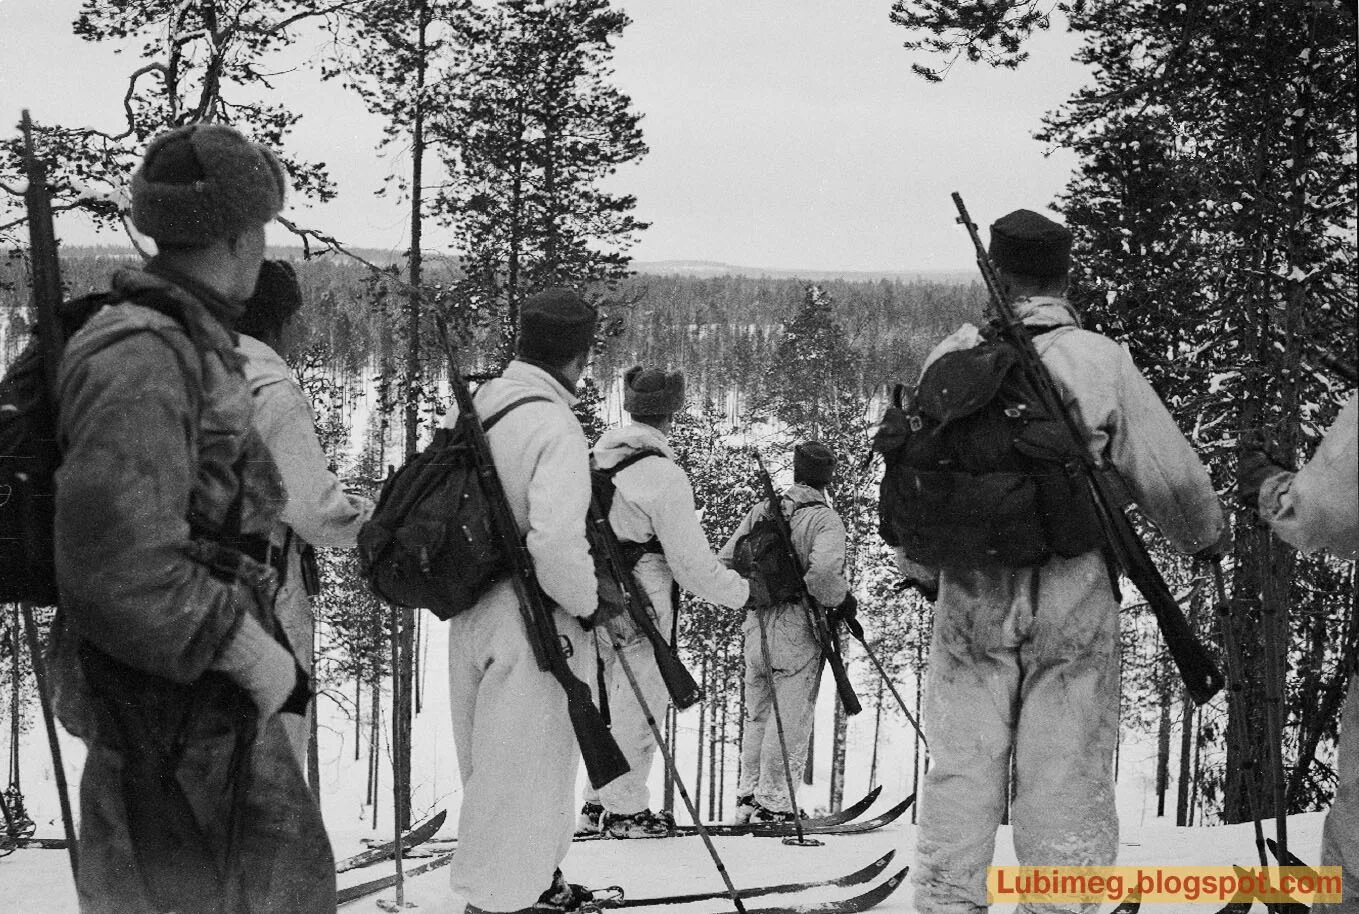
x=318, y=510
x=516, y=750
x=652, y=499
x=792, y=668
x=1026, y=660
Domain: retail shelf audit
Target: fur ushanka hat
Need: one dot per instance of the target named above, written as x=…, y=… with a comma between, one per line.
x=203, y=182
x=652, y=392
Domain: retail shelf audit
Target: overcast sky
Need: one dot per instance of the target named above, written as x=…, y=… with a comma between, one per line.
x=783, y=133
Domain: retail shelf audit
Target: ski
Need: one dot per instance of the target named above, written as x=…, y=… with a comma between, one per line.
x=48, y=844
x=1129, y=905
x=858, y=877
x=848, y=828
x=354, y=892
x=844, y=816
x=1289, y=859
x=419, y=834
x=861, y=902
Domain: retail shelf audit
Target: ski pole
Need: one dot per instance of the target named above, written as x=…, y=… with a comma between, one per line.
x=398, y=753
x=801, y=840
x=863, y=642
x=674, y=772
x=40, y=674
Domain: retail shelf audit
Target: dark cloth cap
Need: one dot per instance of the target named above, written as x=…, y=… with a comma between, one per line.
x=813, y=464
x=652, y=392
x=555, y=325
x=277, y=298
x=204, y=182
x=1029, y=244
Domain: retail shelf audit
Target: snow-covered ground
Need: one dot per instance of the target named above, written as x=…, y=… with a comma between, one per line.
x=39, y=882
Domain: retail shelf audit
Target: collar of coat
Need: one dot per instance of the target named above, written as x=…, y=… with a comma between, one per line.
x=801, y=494
x=1046, y=311
x=539, y=376
x=618, y=444
x=208, y=314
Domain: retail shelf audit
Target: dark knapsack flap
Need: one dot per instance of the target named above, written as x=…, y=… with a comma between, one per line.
x=959, y=383
x=431, y=542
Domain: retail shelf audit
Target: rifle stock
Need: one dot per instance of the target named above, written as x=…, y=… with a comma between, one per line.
x=1201, y=676
x=604, y=761
x=830, y=646
x=679, y=682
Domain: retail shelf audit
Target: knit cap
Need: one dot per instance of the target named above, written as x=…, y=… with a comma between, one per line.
x=277, y=298
x=813, y=464
x=555, y=325
x=652, y=392
x=1029, y=244
x=204, y=182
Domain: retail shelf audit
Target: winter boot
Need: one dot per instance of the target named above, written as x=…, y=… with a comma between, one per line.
x=562, y=896
x=644, y=824
x=745, y=805
x=588, y=823
x=763, y=815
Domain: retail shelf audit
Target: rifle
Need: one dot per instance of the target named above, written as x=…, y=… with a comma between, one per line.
x=684, y=691
x=604, y=761
x=1201, y=676
x=830, y=646
x=46, y=277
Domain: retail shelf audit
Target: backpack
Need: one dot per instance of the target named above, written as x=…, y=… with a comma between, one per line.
x=978, y=473
x=761, y=549
x=29, y=455
x=603, y=488
x=431, y=542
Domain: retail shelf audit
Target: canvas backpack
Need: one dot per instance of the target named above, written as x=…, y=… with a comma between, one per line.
x=431, y=542
x=978, y=472
x=603, y=487
x=761, y=550
x=29, y=454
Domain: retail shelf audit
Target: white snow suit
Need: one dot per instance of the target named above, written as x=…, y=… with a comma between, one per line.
x=516, y=750
x=793, y=663
x=652, y=500
x=318, y=511
x=156, y=433
x=1026, y=660
x=1318, y=508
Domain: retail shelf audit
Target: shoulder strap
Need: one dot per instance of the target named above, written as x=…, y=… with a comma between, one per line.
x=487, y=424
x=629, y=460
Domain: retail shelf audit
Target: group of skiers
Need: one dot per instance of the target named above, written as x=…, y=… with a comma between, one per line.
x=192, y=489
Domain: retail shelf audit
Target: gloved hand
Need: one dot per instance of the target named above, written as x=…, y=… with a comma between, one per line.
x=611, y=602
x=261, y=666
x=759, y=592
x=1256, y=466
x=847, y=614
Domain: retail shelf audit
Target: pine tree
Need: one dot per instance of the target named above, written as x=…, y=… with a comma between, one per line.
x=534, y=127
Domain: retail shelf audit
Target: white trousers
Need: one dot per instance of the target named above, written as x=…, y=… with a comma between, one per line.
x=792, y=669
x=516, y=751
x=630, y=793
x=1022, y=661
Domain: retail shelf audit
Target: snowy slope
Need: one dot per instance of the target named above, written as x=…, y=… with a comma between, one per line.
x=38, y=881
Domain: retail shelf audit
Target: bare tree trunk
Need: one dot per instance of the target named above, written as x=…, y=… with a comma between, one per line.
x=722, y=756
x=808, y=773
x=1186, y=755
x=1163, y=735
x=838, y=746
x=668, y=791
x=712, y=764
x=698, y=738
x=877, y=735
